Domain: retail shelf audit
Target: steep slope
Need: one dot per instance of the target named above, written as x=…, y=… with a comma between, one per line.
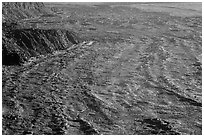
x=26, y=43
x=21, y=42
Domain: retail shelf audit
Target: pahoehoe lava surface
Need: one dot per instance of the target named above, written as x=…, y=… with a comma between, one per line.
x=92, y=69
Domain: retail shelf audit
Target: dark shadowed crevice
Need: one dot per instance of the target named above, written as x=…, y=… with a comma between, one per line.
x=71, y=38
x=10, y=58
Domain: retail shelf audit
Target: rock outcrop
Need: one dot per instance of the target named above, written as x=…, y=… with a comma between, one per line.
x=19, y=44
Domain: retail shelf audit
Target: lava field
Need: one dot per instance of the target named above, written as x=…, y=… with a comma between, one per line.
x=101, y=68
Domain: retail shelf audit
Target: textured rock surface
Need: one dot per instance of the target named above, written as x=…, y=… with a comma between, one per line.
x=22, y=39
x=19, y=10
x=33, y=42
x=137, y=73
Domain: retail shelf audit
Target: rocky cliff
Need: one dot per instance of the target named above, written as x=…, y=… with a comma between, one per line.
x=20, y=42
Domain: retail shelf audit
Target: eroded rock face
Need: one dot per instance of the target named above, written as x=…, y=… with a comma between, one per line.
x=33, y=42
x=150, y=83
x=19, y=44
